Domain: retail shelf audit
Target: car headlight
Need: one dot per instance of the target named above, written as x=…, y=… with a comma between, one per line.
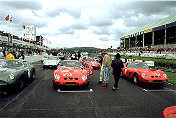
x=144, y=75
x=165, y=76
x=84, y=77
x=56, y=77
x=12, y=76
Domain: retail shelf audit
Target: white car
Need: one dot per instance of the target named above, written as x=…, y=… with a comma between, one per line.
x=45, y=57
x=52, y=61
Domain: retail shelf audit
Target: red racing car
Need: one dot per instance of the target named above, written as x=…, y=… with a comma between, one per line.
x=71, y=73
x=140, y=72
x=95, y=64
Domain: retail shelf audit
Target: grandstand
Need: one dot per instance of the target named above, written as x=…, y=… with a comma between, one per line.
x=159, y=34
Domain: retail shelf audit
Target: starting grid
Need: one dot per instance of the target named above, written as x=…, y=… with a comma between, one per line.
x=91, y=90
x=159, y=90
x=75, y=91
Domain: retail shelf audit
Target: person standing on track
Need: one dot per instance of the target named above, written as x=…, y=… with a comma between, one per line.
x=106, y=66
x=117, y=64
x=101, y=70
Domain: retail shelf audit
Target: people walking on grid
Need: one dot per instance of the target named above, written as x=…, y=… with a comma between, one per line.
x=117, y=64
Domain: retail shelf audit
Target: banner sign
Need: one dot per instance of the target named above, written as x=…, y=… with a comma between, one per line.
x=147, y=31
x=127, y=37
x=5, y=38
x=29, y=33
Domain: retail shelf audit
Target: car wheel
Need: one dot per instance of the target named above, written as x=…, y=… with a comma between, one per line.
x=21, y=85
x=135, y=79
x=55, y=86
x=33, y=75
x=44, y=67
x=86, y=86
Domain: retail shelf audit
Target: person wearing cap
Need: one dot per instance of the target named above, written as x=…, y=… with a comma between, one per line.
x=106, y=66
x=116, y=64
x=10, y=55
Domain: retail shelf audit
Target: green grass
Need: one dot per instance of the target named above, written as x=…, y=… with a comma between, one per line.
x=171, y=77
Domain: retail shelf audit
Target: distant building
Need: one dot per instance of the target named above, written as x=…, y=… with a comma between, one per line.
x=39, y=40
x=159, y=34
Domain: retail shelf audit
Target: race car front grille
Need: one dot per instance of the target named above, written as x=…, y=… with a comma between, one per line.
x=71, y=78
x=70, y=83
x=155, y=76
x=157, y=80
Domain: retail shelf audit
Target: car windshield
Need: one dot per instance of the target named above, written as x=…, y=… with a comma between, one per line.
x=75, y=64
x=90, y=60
x=11, y=63
x=137, y=65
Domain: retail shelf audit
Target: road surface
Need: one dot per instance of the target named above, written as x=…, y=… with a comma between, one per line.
x=39, y=99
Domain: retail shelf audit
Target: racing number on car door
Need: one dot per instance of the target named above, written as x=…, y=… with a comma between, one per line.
x=88, y=69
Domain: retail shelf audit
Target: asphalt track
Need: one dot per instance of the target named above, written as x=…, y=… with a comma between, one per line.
x=39, y=99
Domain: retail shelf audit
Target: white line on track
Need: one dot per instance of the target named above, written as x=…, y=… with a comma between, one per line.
x=171, y=84
x=144, y=89
x=83, y=91
x=165, y=90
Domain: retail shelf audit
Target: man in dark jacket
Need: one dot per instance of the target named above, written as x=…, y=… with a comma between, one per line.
x=116, y=64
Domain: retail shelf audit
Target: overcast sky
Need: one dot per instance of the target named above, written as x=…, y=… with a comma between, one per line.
x=80, y=23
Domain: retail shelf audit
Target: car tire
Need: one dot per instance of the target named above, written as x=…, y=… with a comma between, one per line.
x=55, y=86
x=86, y=86
x=33, y=75
x=21, y=85
x=44, y=67
x=135, y=79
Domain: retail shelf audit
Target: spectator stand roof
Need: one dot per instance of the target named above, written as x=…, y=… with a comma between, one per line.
x=157, y=25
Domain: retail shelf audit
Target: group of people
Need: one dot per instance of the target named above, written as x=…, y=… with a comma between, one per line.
x=10, y=54
x=148, y=50
x=107, y=64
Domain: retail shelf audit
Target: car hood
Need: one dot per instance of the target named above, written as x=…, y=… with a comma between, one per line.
x=71, y=72
x=149, y=71
x=4, y=72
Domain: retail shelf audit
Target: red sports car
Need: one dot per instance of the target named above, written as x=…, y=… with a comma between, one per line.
x=95, y=64
x=71, y=73
x=140, y=72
